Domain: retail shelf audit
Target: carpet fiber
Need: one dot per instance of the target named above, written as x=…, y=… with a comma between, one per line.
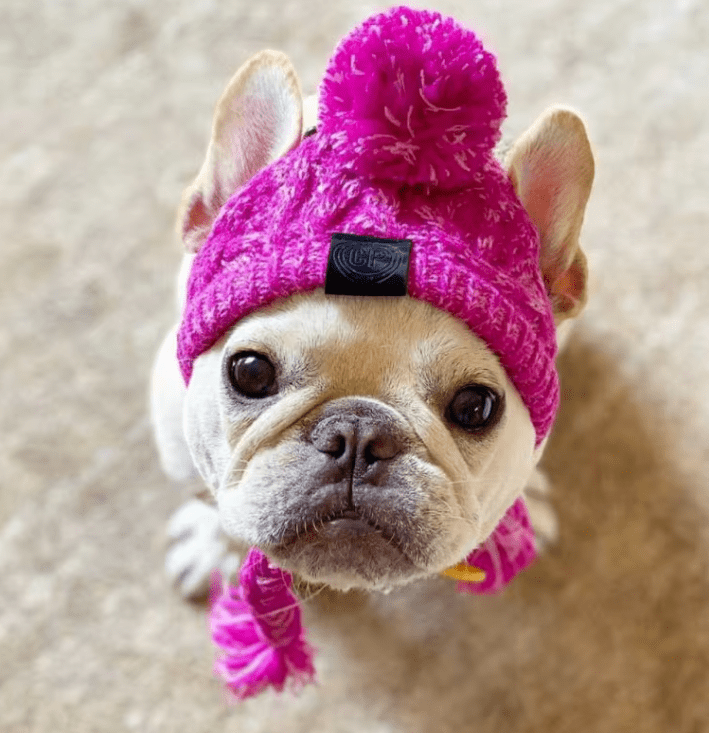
x=106, y=109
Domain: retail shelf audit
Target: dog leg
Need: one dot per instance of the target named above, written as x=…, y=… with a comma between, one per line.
x=197, y=544
x=541, y=512
x=197, y=548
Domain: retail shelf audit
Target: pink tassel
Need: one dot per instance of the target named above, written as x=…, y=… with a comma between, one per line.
x=258, y=627
x=509, y=550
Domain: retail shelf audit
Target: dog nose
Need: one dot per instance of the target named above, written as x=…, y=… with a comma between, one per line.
x=355, y=442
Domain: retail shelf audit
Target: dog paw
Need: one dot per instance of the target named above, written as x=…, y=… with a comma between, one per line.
x=198, y=546
x=541, y=512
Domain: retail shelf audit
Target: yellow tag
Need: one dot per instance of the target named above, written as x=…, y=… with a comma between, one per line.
x=466, y=573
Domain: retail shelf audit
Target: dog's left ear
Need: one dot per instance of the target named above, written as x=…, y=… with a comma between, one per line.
x=551, y=167
x=258, y=119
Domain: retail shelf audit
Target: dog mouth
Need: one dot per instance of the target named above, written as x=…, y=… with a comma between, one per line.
x=348, y=543
x=357, y=523
x=344, y=525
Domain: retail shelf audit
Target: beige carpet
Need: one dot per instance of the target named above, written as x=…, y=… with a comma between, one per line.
x=105, y=111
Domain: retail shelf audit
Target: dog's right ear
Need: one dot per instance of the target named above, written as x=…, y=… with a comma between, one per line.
x=258, y=119
x=551, y=167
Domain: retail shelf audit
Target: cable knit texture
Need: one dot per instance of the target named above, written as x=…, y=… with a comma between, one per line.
x=475, y=251
x=506, y=552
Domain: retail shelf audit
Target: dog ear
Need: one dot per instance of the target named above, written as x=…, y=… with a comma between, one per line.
x=258, y=119
x=551, y=167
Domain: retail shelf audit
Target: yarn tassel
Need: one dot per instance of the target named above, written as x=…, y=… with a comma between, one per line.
x=509, y=550
x=258, y=627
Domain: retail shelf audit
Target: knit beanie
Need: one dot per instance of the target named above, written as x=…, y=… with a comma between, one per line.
x=410, y=112
x=398, y=192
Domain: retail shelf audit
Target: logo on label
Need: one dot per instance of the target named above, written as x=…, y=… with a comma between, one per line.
x=372, y=262
x=360, y=265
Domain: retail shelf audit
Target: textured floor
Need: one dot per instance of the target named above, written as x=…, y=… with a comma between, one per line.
x=105, y=111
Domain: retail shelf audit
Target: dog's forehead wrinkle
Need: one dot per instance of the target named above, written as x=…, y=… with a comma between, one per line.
x=421, y=337
x=460, y=357
x=373, y=349
x=294, y=326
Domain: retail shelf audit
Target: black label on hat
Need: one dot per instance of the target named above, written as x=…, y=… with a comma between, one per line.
x=360, y=265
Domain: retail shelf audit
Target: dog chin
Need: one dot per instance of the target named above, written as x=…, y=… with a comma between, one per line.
x=347, y=553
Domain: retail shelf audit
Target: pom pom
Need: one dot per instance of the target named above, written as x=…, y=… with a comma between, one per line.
x=509, y=550
x=258, y=627
x=412, y=97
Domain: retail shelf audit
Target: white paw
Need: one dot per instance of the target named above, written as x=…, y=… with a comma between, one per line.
x=541, y=512
x=197, y=548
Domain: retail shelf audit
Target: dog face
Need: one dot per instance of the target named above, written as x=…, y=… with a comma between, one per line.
x=366, y=442
x=358, y=442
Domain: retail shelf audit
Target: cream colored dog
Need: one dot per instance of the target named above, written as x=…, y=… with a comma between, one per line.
x=398, y=441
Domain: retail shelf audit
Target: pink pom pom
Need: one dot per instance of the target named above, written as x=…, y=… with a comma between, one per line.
x=509, y=550
x=258, y=627
x=413, y=97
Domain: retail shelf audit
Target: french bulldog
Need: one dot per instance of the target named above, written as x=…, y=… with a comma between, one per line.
x=359, y=442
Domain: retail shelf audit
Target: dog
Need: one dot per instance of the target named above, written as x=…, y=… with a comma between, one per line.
x=361, y=442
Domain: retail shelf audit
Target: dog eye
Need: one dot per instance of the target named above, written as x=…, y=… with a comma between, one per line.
x=252, y=375
x=310, y=131
x=474, y=408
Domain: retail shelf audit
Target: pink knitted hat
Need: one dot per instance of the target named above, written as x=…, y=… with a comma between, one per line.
x=410, y=111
